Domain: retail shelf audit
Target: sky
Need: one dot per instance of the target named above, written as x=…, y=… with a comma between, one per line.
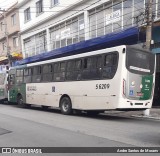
x=4, y=4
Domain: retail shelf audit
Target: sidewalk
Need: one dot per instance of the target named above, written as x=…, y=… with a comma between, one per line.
x=154, y=113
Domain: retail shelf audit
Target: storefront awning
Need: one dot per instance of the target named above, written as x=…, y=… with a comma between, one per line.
x=16, y=55
x=3, y=58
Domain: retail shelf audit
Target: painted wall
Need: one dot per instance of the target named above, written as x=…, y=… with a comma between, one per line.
x=12, y=30
x=48, y=11
x=63, y=11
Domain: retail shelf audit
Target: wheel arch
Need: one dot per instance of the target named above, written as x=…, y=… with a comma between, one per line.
x=64, y=95
x=19, y=94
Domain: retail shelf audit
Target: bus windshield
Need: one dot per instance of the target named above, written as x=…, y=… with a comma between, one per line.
x=139, y=61
x=2, y=78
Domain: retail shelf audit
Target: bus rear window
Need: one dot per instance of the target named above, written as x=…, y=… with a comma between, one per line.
x=139, y=61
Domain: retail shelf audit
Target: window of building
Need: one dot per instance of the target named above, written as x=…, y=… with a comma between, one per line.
x=54, y=2
x=28, y=47
x=27, y=15
x=68, y=32
x=13, y=19
x=127, y=13
x=105, y=18
x=1, y=26
x=108, y=23
x=154, y=8
x=138, y=9
x=158, y=8
x=15, y=41
x=3, y=46
x=115, y=15
x=100, y=20
x=35, y=44
x=39, y=7
x=40, y=42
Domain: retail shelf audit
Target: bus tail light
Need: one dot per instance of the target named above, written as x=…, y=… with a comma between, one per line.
x=124, y=87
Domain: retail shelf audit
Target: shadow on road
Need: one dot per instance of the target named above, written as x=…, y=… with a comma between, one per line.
x=108, y=115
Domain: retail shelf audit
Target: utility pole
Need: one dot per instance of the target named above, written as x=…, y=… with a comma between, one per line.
x=149, y=21
x=6, y=36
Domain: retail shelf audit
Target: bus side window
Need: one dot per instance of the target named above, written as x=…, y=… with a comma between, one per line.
x=70, y=70
x=85, y=63
x=59, y=71
x=77, y=70
x=78, y=64
x=74, y=70
x=11, y=79
x=56, y=72
x=36, y=74
x=92, y=68
x=47, y=73
x=19, y=76
x=62, y=73
x=110, y=65
x=27, y=75
x=96, y=67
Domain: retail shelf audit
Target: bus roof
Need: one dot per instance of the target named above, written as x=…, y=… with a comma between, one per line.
x=116, y=48
x=73, y=56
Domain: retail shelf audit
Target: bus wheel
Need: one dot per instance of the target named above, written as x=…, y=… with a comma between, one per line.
x=20, y=100
x=66, y=106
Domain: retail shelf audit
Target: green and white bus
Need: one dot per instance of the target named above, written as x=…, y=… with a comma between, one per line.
x=3, y=84
x=118, y=78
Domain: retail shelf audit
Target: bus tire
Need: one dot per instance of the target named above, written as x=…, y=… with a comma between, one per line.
x=20, y=100
x=66, y=106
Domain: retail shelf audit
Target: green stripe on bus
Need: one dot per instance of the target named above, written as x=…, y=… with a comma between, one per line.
x=147, y=82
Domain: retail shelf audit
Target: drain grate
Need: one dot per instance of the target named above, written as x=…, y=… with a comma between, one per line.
x=4, y=131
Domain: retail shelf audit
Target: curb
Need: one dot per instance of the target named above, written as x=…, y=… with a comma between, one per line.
x=146, y=117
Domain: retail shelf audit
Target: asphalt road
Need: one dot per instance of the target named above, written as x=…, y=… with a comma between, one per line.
x=35, y=127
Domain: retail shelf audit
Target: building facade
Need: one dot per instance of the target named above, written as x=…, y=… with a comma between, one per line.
x=57, y=23
x=10, y=45
x=52, y=24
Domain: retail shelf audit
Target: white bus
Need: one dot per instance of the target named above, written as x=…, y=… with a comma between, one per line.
x=118, y=78
x=3, y=86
